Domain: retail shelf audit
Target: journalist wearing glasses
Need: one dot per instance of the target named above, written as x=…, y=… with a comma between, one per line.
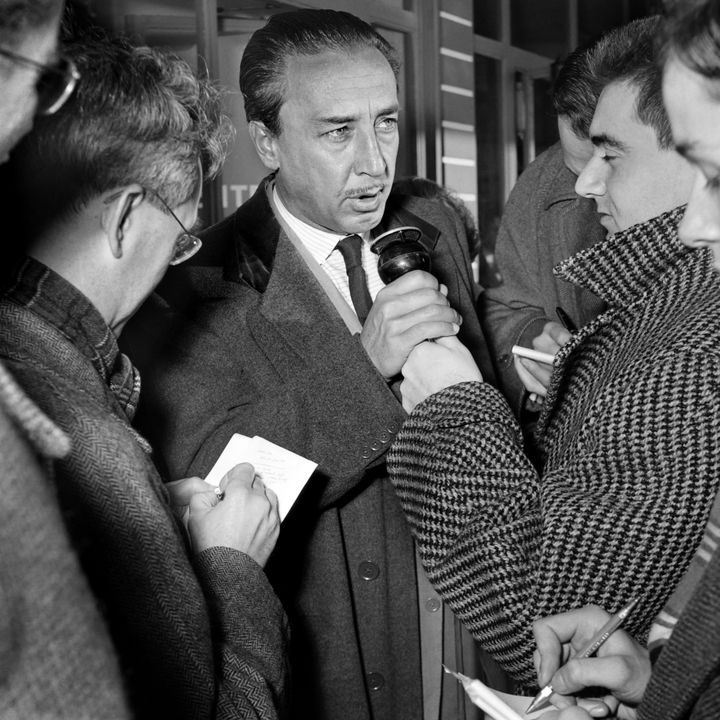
x=109, y=187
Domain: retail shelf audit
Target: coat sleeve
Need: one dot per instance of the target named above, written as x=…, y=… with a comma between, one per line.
x=206, y=381
x=505, y=546
x=250, y=633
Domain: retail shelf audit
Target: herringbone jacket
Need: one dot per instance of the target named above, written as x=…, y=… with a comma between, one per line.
x=56, y=658
x=198, y=637
x=632, y=456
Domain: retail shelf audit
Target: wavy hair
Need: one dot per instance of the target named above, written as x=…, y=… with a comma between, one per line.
x=138, y=115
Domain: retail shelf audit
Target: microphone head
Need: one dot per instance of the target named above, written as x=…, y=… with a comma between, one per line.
x=399, y=251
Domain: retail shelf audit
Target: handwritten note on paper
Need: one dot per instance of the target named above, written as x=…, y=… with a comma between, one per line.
x=284, y=472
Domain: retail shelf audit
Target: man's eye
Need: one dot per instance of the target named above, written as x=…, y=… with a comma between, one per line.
x=389, y=123
x=338, y=133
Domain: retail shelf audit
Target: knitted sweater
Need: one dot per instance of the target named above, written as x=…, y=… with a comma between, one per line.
x=198, y=636
x=632, y=457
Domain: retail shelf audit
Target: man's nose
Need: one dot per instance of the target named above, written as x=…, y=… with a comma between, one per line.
x=369, y=158
x=591, y=181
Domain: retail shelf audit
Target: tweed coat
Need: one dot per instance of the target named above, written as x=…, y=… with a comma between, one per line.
x=632, y=457
x=200, y=638
x=544, y=222
x=261, y=350
x=56, y=657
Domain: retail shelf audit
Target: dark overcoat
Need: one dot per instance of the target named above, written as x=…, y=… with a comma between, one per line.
x=246, y=340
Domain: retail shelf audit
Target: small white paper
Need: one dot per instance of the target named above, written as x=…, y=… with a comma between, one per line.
x=486, y=699
x=284, y=472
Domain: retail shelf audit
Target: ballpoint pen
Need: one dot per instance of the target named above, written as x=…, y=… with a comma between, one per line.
x=593, y=646
x=566, y=320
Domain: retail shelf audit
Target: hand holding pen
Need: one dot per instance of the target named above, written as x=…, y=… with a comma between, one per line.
x=622, y=666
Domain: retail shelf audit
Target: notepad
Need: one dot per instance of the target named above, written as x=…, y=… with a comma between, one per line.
x=503, y=706
x=284, y=472
x=486, y=699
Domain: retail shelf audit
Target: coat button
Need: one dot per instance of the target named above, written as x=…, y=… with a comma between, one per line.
x=432, y=605
x=375, y=681
x=375, y=446
x=368, y=570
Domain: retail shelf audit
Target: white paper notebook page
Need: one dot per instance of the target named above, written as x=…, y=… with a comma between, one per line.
x=284, y=472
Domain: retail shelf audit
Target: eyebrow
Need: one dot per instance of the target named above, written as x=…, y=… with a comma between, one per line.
x=609, y=141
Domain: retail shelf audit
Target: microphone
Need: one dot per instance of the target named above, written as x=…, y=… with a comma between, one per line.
x=399, y=251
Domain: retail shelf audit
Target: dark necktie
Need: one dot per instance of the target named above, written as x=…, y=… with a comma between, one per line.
x=350, y=248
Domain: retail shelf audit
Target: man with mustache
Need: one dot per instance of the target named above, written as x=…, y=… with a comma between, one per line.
x=267, y=339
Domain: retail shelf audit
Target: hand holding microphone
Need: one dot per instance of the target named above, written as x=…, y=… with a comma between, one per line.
x=411, y=308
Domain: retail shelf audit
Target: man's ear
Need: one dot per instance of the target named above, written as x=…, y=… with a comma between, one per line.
x=116, y=216
x=264, y=142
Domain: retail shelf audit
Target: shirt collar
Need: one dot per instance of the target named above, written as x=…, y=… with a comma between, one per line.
x=40, y=289
x=320, y=243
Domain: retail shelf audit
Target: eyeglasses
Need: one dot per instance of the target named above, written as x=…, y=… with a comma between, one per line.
x=187, y=244
x=55, y=83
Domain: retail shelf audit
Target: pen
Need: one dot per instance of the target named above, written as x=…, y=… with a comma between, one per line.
x=592, y=647
x=566, y=320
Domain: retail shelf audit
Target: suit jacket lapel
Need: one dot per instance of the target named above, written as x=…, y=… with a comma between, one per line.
x=295, y=306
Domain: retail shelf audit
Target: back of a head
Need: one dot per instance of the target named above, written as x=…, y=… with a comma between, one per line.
x=630, y=54
x=138, y=116
x=301, y=32
x=574, y=92
x=692, y=34
x=19, y=18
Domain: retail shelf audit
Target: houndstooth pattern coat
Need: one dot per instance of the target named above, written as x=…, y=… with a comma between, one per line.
x=632, y=456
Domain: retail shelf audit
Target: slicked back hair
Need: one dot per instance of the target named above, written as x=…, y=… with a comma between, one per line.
x=263, y=68
x=630, y=54
x=138, y=115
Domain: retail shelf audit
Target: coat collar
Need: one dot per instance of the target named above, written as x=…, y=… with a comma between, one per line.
x=628, y=263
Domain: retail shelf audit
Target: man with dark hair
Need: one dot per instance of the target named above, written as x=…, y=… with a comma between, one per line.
x=632, y=458
x=278, y=342
x=678, y=676
x=110, y=185
x=544, y=222
x=56, y=658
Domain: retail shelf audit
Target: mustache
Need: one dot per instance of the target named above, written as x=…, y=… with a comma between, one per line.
x=367, y=190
